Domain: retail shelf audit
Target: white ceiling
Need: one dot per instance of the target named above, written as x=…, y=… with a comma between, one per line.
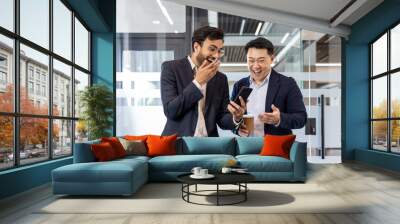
x=319, y=9
x=313, y=15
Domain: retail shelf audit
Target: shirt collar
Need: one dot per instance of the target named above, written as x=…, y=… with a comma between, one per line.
x=266, y=79
x=193, y=65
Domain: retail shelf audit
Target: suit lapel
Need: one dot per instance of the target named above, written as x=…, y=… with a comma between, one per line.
x=187, y=75
x=273, y=87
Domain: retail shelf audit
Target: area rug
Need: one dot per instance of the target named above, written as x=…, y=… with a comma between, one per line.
x=167, y=198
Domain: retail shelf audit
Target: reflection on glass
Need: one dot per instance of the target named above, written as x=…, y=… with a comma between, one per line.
x=395, y=138
x=62, y=89
x=35, y=21
x=33, y=139
x=81, y=45
x=62, y=29
x=81, y=131
x=6, y=75
x=34, y=96
x=379, y=55
x=81, y=81
x=379, y=97
x=395, y=95
x=6, y=142
x=7, y=14
x=395, y=47
x=62, y=138
x=379, y=135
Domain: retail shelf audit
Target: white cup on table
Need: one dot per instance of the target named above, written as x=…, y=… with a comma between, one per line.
x=196, y=171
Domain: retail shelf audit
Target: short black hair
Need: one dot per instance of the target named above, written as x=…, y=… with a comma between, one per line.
x=260, y=43
x=201, y=34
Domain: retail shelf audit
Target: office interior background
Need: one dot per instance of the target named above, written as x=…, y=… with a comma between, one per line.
x=46, y=60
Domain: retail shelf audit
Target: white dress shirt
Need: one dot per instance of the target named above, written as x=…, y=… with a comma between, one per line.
x=256, y=103
x=201, y=129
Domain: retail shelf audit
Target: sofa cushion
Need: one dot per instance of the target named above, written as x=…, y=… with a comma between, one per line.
x=116, y=145
x=277, y=145
x=207, y=145
x=161, y=145
x=134, y=147
x=112, y=171
x=249, y=145
x=185, y=163
x=257, y=163
x=103, y=152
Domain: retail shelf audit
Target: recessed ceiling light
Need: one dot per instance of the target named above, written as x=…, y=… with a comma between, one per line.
x=156, y=22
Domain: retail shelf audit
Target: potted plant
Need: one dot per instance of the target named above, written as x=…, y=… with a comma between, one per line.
x=96, y=103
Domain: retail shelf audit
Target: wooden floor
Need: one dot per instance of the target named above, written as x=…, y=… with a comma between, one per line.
x=377, y=188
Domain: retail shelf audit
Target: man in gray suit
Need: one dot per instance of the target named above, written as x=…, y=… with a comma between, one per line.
x=195, y=95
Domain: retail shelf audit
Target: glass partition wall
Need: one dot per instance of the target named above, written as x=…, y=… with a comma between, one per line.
x=154, y=31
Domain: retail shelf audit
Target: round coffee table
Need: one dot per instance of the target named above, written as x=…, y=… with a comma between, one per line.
x=238, y=179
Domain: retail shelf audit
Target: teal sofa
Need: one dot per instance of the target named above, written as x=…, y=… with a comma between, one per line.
x=125, y=176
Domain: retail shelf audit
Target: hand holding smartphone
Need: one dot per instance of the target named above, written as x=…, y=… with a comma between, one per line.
x=244, y=92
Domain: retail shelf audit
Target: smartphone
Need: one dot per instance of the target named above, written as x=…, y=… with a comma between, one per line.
x=244, y=92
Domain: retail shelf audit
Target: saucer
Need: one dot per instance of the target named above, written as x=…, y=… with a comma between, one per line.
x=208, y=176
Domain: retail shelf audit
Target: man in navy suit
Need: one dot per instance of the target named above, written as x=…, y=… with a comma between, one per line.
x=276, y=101
x=194, y=94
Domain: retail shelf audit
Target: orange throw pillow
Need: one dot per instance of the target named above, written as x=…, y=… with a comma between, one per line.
x=136, y=137
x=103, y=152
x=277, y=145
x=116, y=145
x=161, y=145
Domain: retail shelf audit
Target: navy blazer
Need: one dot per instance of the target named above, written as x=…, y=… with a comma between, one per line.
x=284, y=93
x=180, y=98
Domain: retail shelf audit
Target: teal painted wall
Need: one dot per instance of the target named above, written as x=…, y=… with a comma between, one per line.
x=99, y=16
x=103, y=66
x=24, y=178
x=356, y=83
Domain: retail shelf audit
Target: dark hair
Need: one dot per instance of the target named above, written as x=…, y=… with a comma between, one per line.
x=201, y=34
x=260, y=43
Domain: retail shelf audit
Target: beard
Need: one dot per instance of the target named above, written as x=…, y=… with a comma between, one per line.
x=200, y=58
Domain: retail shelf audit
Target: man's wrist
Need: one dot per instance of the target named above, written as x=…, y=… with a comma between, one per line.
x=237, y=122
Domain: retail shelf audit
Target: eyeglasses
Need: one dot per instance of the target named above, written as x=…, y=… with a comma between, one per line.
x=214, y=49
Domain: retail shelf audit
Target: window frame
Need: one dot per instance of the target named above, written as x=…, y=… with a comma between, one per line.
x=388, y=74
x=16, y=114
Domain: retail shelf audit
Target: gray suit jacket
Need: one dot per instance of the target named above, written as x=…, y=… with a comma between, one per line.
x=180, y=98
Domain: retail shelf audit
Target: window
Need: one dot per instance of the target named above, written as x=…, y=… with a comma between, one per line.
x=3, y=78
x=37, y=89
x=81, y=45
x=34, y=21
x=62, y=74
x=43, y=90
x=30, y=72
x=81, y=82
x=132, y=84
x=119, y=85
x=3, y=61
x=6, y=73
x=30, y=87
x=62, y=29
x=7, y=14
x=385, y=97
x=35, y=114
x=132, y=101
